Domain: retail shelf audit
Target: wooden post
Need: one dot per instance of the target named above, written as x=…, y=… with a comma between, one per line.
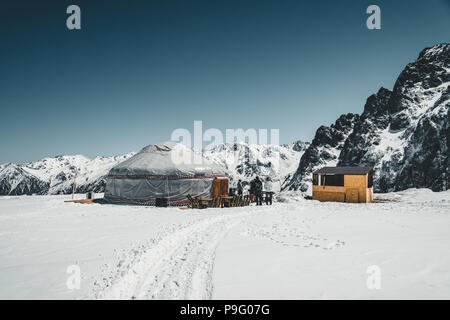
x=74, y=182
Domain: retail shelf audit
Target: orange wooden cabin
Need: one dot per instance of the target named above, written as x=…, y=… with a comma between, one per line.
x=343, y=184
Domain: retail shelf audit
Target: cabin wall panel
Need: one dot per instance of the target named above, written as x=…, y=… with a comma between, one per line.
x=357, y=183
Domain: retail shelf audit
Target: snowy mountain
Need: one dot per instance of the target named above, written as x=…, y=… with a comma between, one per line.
x=56, y=175
x=324, y=150
x=244, y=161
x=14, y=180
x=404, y=133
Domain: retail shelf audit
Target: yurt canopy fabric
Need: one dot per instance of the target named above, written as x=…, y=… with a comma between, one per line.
x=164, y=170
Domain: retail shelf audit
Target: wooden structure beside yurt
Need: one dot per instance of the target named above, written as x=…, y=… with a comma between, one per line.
x=343, y=184
x=220, y=186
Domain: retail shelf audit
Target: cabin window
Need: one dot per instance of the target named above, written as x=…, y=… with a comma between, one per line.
x=315, y=179
x=336, y=180
x=370, y=179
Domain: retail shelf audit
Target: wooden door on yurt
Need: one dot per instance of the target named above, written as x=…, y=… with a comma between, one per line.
x=223, y=187
x=216, y=188
x=220, y=187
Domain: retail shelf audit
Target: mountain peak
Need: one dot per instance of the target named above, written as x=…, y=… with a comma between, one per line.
x=437, y=52
x=377, y=102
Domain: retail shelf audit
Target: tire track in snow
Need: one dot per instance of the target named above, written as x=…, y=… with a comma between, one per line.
x=179, y=266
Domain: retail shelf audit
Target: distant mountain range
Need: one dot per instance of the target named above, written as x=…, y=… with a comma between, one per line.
x=56, y=175
x=403, y=134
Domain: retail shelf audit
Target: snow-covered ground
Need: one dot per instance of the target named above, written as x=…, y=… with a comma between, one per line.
x=295, y=249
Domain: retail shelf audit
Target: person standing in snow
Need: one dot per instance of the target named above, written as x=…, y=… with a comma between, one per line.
x=252, y=189
x=258, y=191
x=268, y=188
x=239, y=188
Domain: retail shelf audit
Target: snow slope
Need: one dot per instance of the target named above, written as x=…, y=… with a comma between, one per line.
x=296, y=249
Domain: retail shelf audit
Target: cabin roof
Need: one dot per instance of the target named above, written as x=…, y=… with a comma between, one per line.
x=344, y=170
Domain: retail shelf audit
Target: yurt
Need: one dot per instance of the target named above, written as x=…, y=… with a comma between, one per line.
x=166, y=171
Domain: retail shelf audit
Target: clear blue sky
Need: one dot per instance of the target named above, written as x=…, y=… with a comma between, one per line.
x=137, y=70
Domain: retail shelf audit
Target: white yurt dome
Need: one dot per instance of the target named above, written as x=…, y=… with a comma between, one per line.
x=164, y=170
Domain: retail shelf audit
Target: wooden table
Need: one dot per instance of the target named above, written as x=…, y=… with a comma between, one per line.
x=206, y=201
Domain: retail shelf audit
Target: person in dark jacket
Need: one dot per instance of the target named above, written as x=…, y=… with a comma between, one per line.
x=252, y=189
x=239, y=188
x=258, y=191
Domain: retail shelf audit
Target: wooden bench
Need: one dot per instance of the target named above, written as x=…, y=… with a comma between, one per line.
x=196, y=203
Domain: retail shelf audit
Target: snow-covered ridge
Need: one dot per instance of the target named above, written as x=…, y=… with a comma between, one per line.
x=55, y=175
x=244, y=161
